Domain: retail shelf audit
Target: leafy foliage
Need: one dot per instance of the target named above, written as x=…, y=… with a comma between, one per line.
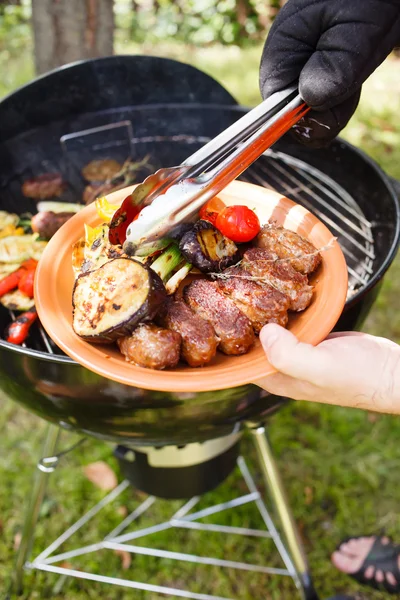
x=197, y=22
x=15, y=45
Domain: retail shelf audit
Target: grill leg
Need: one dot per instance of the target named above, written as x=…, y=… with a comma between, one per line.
x=34, y=504
x=276, y=490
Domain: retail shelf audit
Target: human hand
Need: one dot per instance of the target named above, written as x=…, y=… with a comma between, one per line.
x=328, y=47
x=348, y=369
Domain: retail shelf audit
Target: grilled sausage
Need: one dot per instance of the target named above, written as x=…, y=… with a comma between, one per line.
x=231, y=326
x=199, y=343
x=261, y=303
x=280, y=274
x=287, y=244
x=48, y=185
x=101, y=170
x=47, y=223
x=152, y=347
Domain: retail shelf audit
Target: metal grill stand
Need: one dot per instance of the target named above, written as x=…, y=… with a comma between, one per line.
x=290, y=550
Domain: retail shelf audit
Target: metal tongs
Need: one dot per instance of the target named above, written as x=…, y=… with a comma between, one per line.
x=173, y=196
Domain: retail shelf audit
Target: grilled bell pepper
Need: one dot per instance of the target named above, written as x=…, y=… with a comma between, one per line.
x=105, y=209
x=18, y=331
x=11, y=281
x=121, y=220
x=25, y=284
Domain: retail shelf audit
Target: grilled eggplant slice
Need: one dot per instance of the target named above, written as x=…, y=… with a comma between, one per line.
x=207, y=249
x=111, y=301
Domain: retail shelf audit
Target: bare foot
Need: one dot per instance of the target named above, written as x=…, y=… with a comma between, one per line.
x=351, y=556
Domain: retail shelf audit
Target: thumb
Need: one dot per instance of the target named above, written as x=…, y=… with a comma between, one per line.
x=286, y=353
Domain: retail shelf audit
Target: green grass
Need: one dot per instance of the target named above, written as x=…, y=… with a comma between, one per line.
x=340, y=466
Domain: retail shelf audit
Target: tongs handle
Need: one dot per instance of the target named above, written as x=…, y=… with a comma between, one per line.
x=257, y=143
x=239, y=131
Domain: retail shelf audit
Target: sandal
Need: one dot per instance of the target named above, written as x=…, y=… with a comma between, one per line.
x=383, y=557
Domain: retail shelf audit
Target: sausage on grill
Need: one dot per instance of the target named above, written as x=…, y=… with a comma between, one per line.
x=152, y=347
x=280, y=274
x=232, y=327
x=261, y=303
x=42, y=187
x=287, y=244
x=199, y=342
x=47, y=223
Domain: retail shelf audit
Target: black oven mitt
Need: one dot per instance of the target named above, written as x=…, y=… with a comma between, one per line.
x=330, y=47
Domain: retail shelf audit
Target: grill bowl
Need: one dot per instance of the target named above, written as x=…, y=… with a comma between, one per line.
x=54, y=283
x=174, y=110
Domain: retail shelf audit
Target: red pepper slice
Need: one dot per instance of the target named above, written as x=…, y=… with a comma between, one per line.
x=121, y=220
x=11, y=281
x=18, y=331
x=25, y=284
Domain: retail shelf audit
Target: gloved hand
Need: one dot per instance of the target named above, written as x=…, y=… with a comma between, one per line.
x=328, y=47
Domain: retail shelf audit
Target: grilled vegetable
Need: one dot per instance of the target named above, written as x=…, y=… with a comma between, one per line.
x=16, y=300
x=174, y=282
x=167, y=262
x=47, y=223
x=12, y=281
x=105, y=209
x=58, y=207
x=207, y=249
x=25, y=284
x=111, y=301
x=78, y=256
x=7, y=219
x=238, y=223
x=121, y=220
x=211, y=209
x=11, y=230
x=95, y=248
x=18, y=331
x=16, y=249
x=7, y=268
x=9, y=224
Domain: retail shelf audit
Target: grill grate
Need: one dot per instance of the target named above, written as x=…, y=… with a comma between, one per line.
x=294, y=178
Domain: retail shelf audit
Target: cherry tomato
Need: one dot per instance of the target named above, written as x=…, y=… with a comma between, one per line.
x=121, y=220
x=211, y=209
x=25, y=284
x=238, y=223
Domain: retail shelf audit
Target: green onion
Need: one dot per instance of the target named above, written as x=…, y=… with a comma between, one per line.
x=167, y=262
x=152, y=247
x=174, y=282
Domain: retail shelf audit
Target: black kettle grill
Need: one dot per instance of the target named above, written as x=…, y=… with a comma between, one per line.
x=166, y=110
x=144, y=106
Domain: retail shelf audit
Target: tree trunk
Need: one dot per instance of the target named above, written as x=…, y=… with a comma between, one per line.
x=70, y=30
x=241, y=15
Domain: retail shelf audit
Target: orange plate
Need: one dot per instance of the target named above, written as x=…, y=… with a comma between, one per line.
x=53, y=296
